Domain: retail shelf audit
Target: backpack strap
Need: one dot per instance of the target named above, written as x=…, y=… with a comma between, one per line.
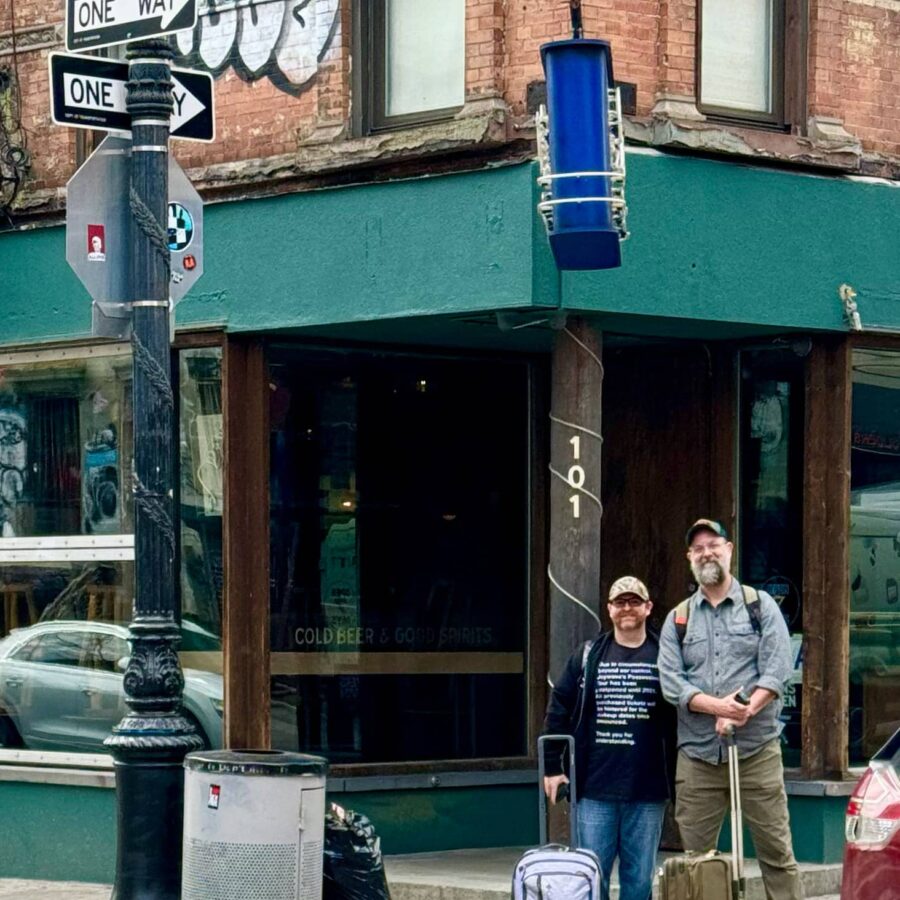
x=754, y=607
x=682, y=614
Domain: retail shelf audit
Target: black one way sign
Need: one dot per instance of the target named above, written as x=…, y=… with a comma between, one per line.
x=89, y=92
x=99, y=23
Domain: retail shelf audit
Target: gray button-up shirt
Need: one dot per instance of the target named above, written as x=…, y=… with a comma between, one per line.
x=721, y=654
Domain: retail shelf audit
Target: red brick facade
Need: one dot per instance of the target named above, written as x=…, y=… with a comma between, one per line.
x=285, y=82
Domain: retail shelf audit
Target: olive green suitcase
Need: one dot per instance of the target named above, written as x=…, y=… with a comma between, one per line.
x=711, y=875
x=696, y=876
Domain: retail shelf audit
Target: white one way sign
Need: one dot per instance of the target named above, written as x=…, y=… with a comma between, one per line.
x=99, y=23
x=89, y=92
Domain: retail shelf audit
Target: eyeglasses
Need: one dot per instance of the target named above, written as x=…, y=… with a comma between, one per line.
x=712, y=547
x=622, y=602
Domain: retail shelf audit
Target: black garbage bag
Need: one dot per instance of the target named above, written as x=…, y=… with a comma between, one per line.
x=353, y=867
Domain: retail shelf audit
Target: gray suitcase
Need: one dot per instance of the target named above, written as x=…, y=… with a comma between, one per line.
x=711, y=875
x=554, y=871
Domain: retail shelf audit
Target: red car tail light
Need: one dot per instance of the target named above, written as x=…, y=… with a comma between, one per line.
x=873, y=813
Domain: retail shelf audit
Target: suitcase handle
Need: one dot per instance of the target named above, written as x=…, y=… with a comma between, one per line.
x=737, y=825
x=542, y=797
x=734, y=790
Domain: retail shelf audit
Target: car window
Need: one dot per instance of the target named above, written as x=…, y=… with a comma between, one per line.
x=101, y=651
x=112, y=650
x=52, y=649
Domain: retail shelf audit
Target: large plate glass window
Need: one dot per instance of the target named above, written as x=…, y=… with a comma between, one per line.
x=771, y=510
x=66, y=551
x=741, y=58
x=399, y=556
x=874, y=552
x=201, y=506
x=67, y=547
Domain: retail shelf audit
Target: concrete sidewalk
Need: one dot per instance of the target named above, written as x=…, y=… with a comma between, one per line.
x=487, y=875
x=451, y=875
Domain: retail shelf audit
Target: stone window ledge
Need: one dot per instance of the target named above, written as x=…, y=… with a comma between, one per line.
x=827, y=144
x=481, y=125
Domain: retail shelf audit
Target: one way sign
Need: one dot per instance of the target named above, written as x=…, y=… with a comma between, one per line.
x=99, y=23
x=89, y=92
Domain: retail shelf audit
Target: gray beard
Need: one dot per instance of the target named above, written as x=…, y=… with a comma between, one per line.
x=709, y=573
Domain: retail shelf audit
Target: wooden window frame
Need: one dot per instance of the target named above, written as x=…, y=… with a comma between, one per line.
x=245, y=387
x=789, y=72
x=369, y=38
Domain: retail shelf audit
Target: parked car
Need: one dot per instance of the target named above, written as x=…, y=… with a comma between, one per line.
x=61, y=687
x=872, y=852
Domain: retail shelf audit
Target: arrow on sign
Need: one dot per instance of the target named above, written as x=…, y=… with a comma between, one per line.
x=89, y=92
x=192, y=95
x=99, y=23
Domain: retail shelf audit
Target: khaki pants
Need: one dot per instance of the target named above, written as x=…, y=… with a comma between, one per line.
x=701, y=801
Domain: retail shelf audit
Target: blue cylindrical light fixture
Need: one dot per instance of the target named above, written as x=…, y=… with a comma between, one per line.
x=582, y=224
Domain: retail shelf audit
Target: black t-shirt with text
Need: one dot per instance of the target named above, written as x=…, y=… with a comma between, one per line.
x=627, y=759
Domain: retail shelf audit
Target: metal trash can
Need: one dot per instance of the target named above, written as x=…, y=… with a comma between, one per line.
x=254, y=825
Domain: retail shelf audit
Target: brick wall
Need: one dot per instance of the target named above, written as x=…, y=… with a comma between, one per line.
x=855, y=69
x=284, y=73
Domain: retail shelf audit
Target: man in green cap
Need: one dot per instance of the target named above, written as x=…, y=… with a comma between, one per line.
x=724, y=644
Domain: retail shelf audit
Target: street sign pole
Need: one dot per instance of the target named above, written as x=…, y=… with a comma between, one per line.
x=149, y=744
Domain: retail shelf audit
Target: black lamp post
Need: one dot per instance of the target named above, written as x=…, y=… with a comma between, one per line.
x=150, y=743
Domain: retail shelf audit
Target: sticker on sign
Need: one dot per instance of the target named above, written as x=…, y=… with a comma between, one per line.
x=100, y=23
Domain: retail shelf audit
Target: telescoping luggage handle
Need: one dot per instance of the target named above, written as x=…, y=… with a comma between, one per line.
x=542, y=797
x=737, y=825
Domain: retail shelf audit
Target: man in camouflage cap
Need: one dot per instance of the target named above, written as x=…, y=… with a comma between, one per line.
x=609, y=698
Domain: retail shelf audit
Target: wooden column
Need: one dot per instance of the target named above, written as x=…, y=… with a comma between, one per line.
x=826, y=530
x=245, y=624
x=538, y=644
x=576, y=397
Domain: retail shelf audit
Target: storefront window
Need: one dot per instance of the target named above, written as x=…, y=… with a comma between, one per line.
x=201, y=496
x=63, y=425
x=874, y=552
x=399, y=557
x=67, y=548
x=66, y=551
x=771, y=509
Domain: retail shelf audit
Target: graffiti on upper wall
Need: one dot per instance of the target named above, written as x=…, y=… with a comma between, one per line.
x=282, y=40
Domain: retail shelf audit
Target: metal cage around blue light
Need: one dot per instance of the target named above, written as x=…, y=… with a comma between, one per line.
x=581, y=149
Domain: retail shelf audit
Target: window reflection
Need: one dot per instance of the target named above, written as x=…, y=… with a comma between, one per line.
x=874, y=552
x=398, y=532
x=201, y=495
x=64, y=425
x=66, y=579
x=771, y=484
x=59, y=633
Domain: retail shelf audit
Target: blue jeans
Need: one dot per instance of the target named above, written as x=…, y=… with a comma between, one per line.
x=630, y=831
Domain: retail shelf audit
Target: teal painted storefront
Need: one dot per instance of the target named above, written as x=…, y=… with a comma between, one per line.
x=718, y=250
x=58, y=832
x=80, y=823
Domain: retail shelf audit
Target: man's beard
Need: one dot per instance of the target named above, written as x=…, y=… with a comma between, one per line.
x=709, y=573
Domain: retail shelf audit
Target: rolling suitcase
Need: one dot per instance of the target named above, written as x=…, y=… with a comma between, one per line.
x=554, y=871
x=711, y=875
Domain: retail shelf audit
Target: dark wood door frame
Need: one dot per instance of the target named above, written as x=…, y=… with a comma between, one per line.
x=826, y=530
x=245, y=620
